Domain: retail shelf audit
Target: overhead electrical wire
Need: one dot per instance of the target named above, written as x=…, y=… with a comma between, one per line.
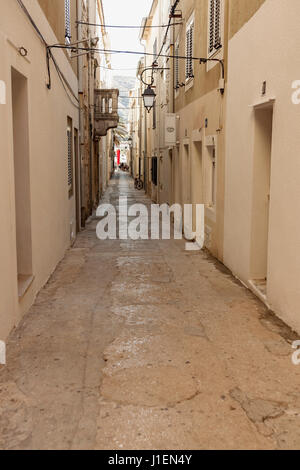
x=32, y=22
x=49, y=56
x=113, y=69
x=115, y=51
x=120, y=108
x=65, y=83
x=172, y=13
x=122, y=26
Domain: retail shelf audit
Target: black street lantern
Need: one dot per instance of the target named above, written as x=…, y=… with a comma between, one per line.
x=149, y=98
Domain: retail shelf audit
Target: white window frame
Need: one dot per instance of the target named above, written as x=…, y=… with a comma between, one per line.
x=216, y=52
x=190, y=24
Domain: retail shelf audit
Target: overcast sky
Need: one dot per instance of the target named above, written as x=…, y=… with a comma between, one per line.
x=122, y=12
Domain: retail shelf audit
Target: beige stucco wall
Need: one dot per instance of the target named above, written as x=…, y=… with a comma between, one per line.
x=194, y=104
x=182, y=176
x=51, y=210
x=241, y=11
x=264, y=50
x=191, y=172
x=54, y=10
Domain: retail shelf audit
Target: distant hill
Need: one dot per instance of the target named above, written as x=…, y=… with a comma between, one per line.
x=124, y=84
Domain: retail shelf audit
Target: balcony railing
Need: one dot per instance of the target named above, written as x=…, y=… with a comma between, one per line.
x=106, y=111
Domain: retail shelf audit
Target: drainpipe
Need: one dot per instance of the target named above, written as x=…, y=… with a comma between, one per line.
x=145, y=131
x=145, y=145
x=81, y=130
x=172, y=71
x=90, y=130
x=146, y=154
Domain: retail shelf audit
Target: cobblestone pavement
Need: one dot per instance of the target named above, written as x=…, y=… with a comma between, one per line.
x=142, y=345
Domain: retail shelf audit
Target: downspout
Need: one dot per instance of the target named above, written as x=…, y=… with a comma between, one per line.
x=145, y=139
x=90, y=130
x=146, y=153
x=172, y=80
x=81, y=130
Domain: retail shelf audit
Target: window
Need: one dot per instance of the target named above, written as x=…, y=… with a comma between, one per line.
x=154, y=116
x=70, y=157
x=154, y=171
x=67, y=21
x=110, y=105
x=214, y=27
x=103, y=110
x=189, y=71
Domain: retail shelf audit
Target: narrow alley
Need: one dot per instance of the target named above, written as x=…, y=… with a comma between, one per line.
x=140, y=344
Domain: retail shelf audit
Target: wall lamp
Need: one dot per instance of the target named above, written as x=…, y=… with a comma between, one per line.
x=149, y=98
x=149, y=94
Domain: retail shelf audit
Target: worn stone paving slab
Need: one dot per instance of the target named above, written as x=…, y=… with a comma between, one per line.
x=141, y=345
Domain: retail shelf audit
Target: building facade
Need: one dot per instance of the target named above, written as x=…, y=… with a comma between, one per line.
x=94, y=75
x=188, y=166
x=135, y=127
x=226, y=80
x=39, y=130
x=262, y=199
x=47, y=141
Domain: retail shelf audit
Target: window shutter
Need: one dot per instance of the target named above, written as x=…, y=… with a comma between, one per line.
x=211, y=25
x=214, y=26
x=189, y=51
x=217, y=38
x=154, y=171
x=177, y=66
x=155, y=49
x=154, y=117
x=67, y=20
x=191, y=71
x=70, y=166
x=155, y=52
